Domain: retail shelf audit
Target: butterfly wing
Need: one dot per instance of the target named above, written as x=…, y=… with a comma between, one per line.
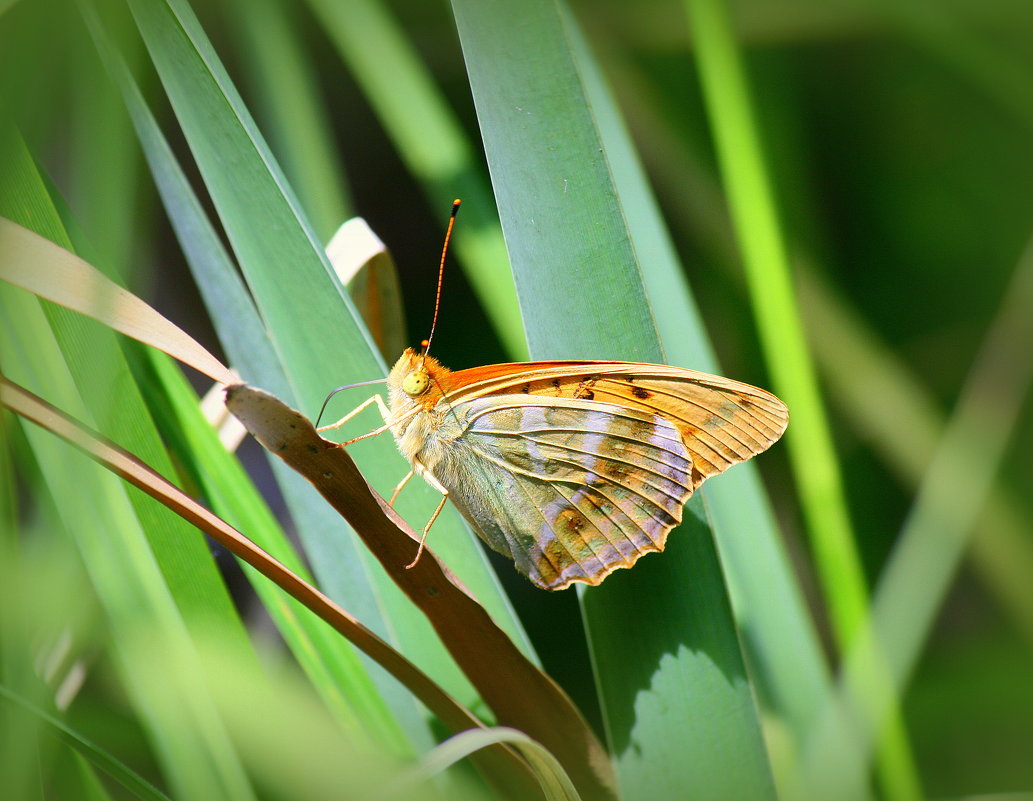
x=575, y=469
x=569, y=489
x=722, y=422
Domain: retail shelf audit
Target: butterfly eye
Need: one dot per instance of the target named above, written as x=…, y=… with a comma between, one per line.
x=416, y=383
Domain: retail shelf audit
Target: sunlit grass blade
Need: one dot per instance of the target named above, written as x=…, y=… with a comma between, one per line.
x=780, y=326
x=364, y=264
x=664, y=627
x=430, y=140
x=914, y=584
x=36, y=264
x=85, y=287
x=143, y=477
x=145, y=570
x=814, y=461
x=555, y=783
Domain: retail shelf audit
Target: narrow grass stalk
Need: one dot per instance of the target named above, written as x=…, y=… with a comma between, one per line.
x=934, y=537
x=97, y=756
x=811, y=450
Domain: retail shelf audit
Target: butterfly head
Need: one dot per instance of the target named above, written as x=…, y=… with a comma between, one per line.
x=416, y=379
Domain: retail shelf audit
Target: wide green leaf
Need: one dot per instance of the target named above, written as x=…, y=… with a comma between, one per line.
x=579, y=278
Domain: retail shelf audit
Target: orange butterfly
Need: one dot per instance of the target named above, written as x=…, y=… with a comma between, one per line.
x=573, y=469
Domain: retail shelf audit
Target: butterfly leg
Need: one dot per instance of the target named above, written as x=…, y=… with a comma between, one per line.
x=401, y=484
x=430, y=479
x=385, y=414
x=362, y=406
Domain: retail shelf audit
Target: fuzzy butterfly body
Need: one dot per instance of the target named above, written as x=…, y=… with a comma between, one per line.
x=571, y=468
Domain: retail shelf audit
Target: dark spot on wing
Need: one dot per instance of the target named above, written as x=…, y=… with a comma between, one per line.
x=526, y=389
x=688, y=432
x=555, y=560
x=615, y=469
x=584, y=389
x=640, y=393
x=572, y=521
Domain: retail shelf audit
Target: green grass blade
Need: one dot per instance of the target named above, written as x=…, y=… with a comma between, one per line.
x=328, y=661
x=555, y=783
x=663, y=629
x=111, y=531
x=778, y=632
x=764, y=257
x=810, y=444
x=97, y=756
x=97, y=365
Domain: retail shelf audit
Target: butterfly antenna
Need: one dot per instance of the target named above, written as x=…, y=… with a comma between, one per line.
x=441, y=274
x=339, y=389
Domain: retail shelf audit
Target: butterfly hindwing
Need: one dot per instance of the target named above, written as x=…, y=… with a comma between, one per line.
x=570, y=489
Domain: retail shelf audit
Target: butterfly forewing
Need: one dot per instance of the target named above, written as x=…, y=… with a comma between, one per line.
x=722, y=422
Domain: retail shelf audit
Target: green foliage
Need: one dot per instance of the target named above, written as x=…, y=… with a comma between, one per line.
x=830, y=199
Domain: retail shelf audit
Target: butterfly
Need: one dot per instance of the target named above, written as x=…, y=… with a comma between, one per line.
x=572, y=469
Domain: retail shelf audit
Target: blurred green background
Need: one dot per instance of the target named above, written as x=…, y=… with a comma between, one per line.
x=897, y=139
